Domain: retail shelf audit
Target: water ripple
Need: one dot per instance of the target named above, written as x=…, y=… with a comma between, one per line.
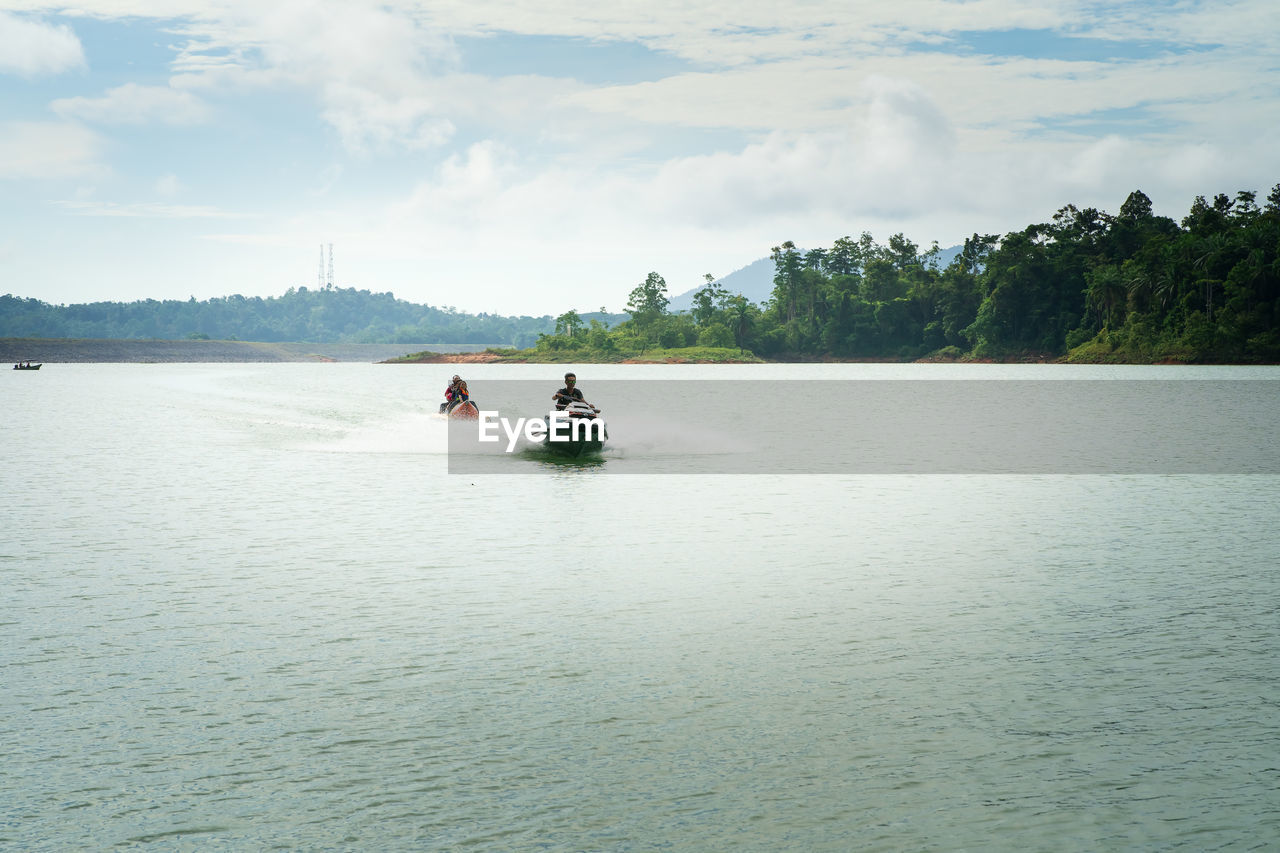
x=227, y=639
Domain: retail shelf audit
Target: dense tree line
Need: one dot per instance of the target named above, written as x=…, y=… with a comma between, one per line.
x=323, y=316
x=1130, y=287
x=1133, y=286
x=1126, y=287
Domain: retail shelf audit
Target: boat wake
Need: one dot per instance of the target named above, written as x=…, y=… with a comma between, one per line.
x=632, y=440
x=419, y=434
x=659, y=436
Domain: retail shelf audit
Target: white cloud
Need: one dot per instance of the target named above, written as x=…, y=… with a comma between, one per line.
x=134, y=104
x=168, y=185
x=367, y=120
x=149, y=210
x=1243, y=25
x=383, y=73
x=370, y=66
x=891, y=157
x=326, y=179
x=34, y=149
x=467, y=187
x=900, y=164
x=30, y=47
x=805, y=125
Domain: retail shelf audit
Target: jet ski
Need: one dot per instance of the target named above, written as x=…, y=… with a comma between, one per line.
x=460, y=410
x=575, y=430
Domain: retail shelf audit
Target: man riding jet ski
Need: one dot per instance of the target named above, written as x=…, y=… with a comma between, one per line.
x=457, y=400
x=576, y=426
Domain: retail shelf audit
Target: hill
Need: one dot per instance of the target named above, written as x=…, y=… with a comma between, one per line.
x=755, y=281
x=330, y=315
x=69, y=350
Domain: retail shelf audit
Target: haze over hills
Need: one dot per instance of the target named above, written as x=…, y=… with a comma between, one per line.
x=1090, y=286
x=325, y=314
x=755, y=281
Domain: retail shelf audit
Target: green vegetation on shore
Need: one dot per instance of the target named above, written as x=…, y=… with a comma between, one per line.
x=330, y=315
x=1087, y=286
x=587, y=355
x=73, y=350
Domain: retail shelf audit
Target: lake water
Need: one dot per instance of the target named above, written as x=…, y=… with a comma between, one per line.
x=247, y=607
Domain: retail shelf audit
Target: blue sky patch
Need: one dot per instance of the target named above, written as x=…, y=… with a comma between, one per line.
x=1049, y=44
x=127, y=50
x=587, y=60
x=1138, y=120
x=116, y=53
x=228, y=182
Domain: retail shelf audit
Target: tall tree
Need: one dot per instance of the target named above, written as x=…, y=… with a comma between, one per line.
x=708, y=302
x=786, y=265
x=742, y=316
x=902, y=252
x=648, y=301
x=1136, y=208
x=568, y=323
x=845, y=258
x=815, y=259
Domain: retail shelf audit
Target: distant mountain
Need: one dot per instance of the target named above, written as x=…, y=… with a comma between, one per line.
x=947, y=255
x=755, y=281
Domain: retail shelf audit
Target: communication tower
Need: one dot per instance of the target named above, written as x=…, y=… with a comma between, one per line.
x=330, y=266
x=320, y=271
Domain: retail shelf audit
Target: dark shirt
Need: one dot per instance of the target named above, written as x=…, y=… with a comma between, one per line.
x=567, y=392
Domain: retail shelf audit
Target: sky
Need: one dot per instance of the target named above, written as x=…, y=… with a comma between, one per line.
x=520, y=158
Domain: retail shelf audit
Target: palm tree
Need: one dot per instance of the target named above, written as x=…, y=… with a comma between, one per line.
x=786, y=265
x=1164, y=286
x=741, y=316
x=1105, y=290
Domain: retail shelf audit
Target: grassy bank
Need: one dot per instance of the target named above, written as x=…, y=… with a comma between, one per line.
x=584, y=355
x=699, y=355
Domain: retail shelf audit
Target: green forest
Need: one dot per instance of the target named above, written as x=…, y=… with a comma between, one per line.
x=1085, y=286
x=328, y=315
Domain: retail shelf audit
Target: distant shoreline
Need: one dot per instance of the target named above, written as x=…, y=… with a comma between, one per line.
x=111, y=350
x=687, y=355
x=120, y=351
x=697, y=355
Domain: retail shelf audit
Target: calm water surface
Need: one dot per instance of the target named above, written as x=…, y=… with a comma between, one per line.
x=247, y=608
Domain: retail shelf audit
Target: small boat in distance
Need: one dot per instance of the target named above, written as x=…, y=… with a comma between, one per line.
x=26, y=365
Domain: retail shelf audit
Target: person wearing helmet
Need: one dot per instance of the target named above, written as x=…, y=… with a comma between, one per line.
x=455, y=393
x=568, y=393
